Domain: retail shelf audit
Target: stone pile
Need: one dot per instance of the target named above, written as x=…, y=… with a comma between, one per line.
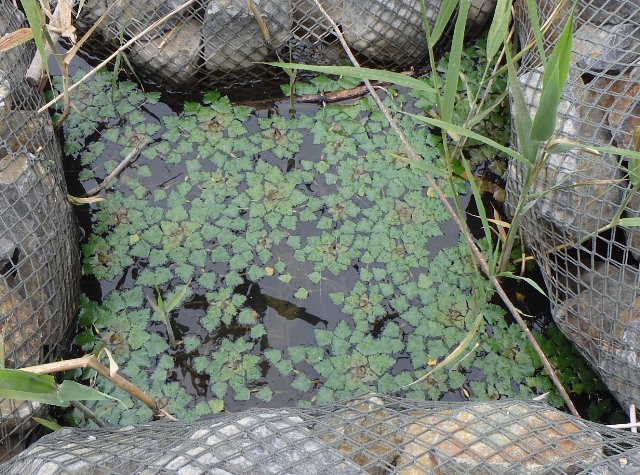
x=370, y=434
x=590, y=269
x=39, y=252
x=227, y=38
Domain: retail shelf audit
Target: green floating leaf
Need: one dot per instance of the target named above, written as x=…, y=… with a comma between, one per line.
x=273, y=356
x=337, y=297
x=301, y=383
x=301, y=293
x=296, y=353
x=323, y=337
x=284, y=367
x=258, y=331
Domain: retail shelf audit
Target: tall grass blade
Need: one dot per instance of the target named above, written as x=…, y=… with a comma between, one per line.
x=36, y=23
x=72, y=391
x=26, y=386
x=534, y=18
x=482, y=213
x=521, y=115
x=470, y=134
x=462, y=346
x=177, y=298
x=529, y=281
x=562, y=146
x=486, y=111
x=554, y=80
x=47, y=423
x=442, y=20
x=453, y=70
x=421, y=165
x=634, y=162
x=160, y=310
x=361, y=73
x=629, y=222
x=499, y=29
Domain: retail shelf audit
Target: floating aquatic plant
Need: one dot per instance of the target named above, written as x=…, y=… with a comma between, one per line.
x=235, y=205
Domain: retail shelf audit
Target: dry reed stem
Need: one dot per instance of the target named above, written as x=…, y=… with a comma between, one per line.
x=477, y=254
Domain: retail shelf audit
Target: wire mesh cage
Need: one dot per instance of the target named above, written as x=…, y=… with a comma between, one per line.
x=221, y=43
x=370, y=434
x=39, y=256
x=590, y=266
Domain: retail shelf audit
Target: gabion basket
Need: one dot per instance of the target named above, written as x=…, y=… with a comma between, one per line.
x=590, y=267
x=39, y=252
x=221, y=43
x=370, y=434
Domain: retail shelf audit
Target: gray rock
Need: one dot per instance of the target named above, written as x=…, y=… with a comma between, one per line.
x=603, y=321
x=258, y=443
x=174, y=58
x=233, y=38
x=468, y=438
x=7, y=249
x=480, y=16
x=479, y=439
x=5, y=95
x=624, y=116
x=128, y=16
x=610, y=48
x=311, y=25
x=387, y=31
x=587, y=197
x=609, y=11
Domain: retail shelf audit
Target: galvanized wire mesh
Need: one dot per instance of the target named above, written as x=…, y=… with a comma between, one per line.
x=39, y=255
x=590, y=268
x=217, y=43
x=366, y=435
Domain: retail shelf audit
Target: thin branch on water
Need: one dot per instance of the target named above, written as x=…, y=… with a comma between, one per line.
x=121, y=166
x=90, y=361
x=477, y=254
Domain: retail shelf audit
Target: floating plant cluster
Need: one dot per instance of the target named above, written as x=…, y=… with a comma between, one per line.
x=311, y=260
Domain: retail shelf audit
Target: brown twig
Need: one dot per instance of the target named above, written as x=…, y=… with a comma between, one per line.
x=477, y=254
x=333, y=96
x=121, y=166
x=261, y=24
x=90, y=361
x=36, y=68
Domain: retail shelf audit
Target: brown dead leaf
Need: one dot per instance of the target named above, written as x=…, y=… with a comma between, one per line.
x=15, y=38
x=79, y=201
x=67, y=30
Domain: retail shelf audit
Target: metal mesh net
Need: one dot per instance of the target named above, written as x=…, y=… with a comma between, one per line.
x=217, y=43
x=366, y=435
x=590, y=268
x=39, y=256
